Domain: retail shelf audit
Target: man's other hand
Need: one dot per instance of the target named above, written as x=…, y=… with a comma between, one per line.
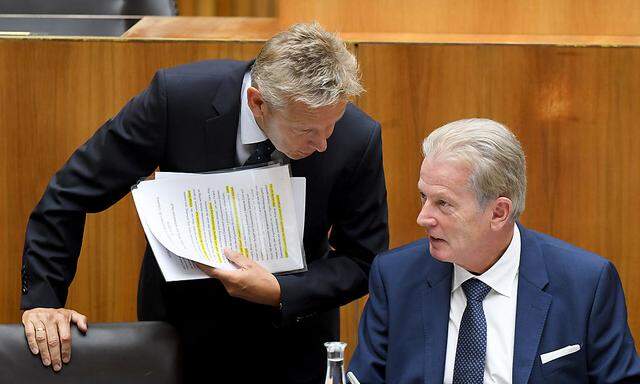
x=250, y=281
x=48, y=333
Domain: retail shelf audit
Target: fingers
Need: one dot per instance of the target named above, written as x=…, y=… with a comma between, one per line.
x=80, y=320
x=217, y=273
x=48, y=332
x=30, y=333
x=250, y=281
x=237, y=258
x=53, y=342
x=64, y=331
x=204, y=268
x=41, y=341
x=226, y=277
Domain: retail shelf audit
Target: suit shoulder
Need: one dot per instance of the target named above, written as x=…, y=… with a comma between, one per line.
x=408, y=267
x=568, y=252
x=406, y=258
x=357, y=117
x=355, y=127
x=193, y=86
x=354, y=135
x=205, y=68
x=202, y=76
x=566, y=260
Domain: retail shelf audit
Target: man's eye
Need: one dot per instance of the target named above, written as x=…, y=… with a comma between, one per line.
x=423, y=197
x=443, y=203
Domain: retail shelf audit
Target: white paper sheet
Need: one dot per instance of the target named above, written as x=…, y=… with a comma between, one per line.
x=259, y=212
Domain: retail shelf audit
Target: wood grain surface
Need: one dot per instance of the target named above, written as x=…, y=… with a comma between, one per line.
x=205, y=28
x=555, y=17
x=248, y=8
x=262, y=28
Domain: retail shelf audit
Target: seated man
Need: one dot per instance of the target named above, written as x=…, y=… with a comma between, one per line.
x=482, y=298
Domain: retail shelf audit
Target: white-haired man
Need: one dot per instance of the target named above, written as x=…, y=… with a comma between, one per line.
x=483, y=299
x=247, y=324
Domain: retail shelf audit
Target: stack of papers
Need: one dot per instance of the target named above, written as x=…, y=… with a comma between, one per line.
x=191, y=217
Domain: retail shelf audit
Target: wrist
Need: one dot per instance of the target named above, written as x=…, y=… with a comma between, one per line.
x=277, y=294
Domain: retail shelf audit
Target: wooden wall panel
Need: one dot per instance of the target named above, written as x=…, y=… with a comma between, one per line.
x=574, y=109
x=250, y=8
x=581, y=17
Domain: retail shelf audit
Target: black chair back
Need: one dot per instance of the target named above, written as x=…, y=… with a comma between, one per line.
x=140, y=352
x=89, y=7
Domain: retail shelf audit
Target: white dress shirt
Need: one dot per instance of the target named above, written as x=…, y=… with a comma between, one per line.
x=249, y=133
x=499, y=310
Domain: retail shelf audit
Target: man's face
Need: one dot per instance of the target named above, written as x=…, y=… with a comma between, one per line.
x=297, y=130
x=455, y=223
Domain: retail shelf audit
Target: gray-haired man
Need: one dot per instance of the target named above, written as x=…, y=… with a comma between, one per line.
x=211, y=115
x=482, y=299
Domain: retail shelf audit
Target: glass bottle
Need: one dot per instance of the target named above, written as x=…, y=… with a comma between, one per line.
x=335, y=363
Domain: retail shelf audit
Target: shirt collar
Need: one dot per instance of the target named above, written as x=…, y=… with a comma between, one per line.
x=500, y=276
x=250, y=132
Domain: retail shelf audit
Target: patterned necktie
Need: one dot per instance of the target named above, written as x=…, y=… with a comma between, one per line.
x=472, y=338
x=261, y=153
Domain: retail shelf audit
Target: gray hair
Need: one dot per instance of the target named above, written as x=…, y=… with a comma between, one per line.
x=305, y=64
x=497, y=162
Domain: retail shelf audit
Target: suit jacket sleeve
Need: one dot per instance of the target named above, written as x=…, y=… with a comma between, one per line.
x=611, y=350
x=359, y=232
x=99, y=173
x=368, y=362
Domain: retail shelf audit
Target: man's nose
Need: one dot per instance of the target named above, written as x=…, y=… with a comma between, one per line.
x=425, y=218
x=319, y=142
x=320, y=145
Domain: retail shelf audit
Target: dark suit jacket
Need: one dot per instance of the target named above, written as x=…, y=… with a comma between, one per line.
x=566, y=296
x=187, y=121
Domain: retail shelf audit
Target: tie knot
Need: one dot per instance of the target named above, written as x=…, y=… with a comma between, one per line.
x=261, y=153
x=265, y=146
x=475, y=289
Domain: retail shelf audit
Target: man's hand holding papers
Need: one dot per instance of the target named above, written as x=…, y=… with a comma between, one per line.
x=251, y=281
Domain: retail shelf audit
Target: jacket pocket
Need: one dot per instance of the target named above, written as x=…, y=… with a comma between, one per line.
x=570, y=366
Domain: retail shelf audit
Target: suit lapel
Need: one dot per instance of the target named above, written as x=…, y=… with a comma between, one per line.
x=221, y=129
x=435, y=314
x=532, y=307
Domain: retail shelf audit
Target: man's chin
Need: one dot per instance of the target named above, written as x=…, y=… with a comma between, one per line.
x=438, y=254
x=298, y=155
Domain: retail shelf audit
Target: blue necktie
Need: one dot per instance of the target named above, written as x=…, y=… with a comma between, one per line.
x=472, y=338
x=261, y=153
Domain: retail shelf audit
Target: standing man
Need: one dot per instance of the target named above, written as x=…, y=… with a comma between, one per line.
x=483, y=299
x=248, y=324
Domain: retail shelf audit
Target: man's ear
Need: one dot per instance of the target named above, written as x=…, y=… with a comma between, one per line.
x=502, y=208
x=256, y=103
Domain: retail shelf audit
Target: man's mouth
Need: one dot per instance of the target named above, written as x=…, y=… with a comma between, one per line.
x=300, y=155
x=435, y=240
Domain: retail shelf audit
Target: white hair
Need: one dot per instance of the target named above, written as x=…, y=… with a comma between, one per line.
x=305, y=64
x=494, y=154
